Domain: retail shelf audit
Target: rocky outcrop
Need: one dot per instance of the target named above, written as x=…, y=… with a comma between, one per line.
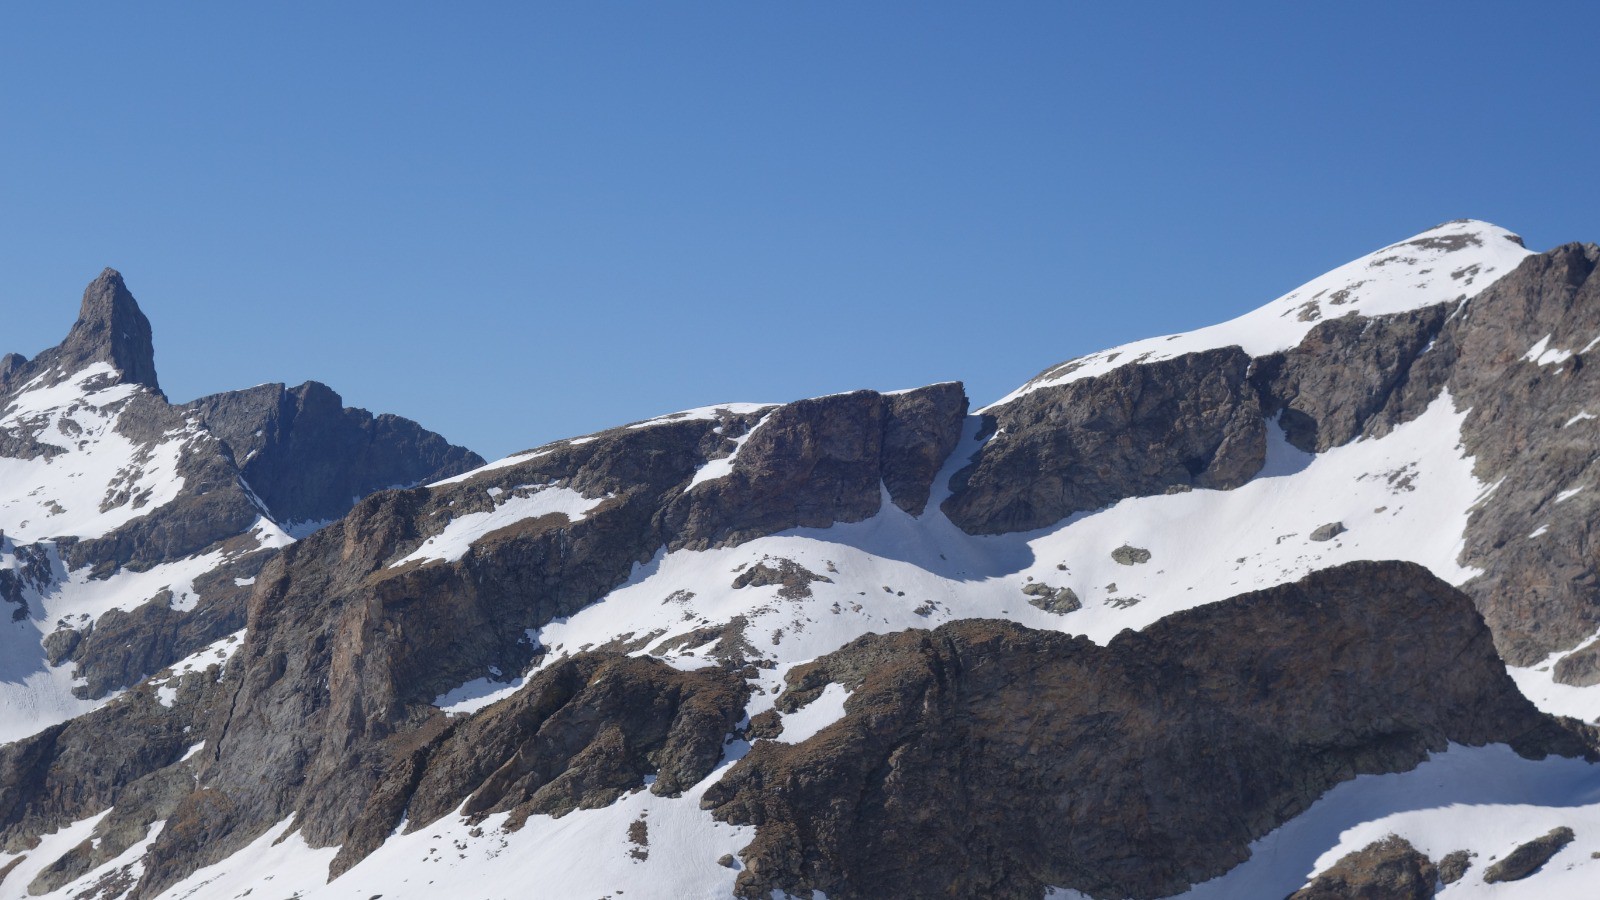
x=1528, y=436
x=584, y=732
x=128, y=754
x=1137, y=430
x=308, y=456
x=1349, y=378
x=1390, y=869
x=1455, y=865
x=792, y=579
x=985, y=759
x=816, y=462
x=1527, y=858
x=110, y=328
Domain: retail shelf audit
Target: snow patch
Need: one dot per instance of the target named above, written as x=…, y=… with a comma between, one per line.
x=805, y=722
x=463, y=531
x=721, y=468
x=1481, y=799
x=1543, y=354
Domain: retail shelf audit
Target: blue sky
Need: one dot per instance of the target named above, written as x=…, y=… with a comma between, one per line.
x=519, y=222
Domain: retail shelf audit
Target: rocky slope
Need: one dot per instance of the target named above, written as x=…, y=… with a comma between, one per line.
x=1116, y=634
x=131, y=528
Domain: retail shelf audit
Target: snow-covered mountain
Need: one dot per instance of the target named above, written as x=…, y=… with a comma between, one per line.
x=130, y=528
x=1209, y=615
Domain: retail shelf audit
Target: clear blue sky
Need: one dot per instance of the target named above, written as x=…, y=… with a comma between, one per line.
x=518, y=222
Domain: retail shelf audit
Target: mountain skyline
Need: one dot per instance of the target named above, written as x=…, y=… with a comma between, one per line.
x=1209, y=614
x=598, y=215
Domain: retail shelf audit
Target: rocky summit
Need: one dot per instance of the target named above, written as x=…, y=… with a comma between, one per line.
x=1302, y=603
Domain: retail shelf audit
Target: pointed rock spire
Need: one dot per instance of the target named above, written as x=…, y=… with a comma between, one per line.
x=111, y=328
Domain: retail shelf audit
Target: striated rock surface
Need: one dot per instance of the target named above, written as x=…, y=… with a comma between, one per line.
x=356, y=629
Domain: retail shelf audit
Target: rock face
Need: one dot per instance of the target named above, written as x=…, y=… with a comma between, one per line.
x=307, y=455
x=817, y=462
x=1137, y=430
x=1161, y=757
x=110, y=328
x=1390, y=869
x=582, y=734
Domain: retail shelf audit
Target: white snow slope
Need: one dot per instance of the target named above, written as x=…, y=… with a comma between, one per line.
x=1404, y=496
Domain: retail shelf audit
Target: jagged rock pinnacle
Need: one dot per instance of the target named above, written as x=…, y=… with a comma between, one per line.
x=111, y=328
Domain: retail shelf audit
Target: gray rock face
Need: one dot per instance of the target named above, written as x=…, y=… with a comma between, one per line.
x=307, y=455
x=1537, y=594
x=1167, y=756
x=110, y=328
x=1348, y=378
x=1137, y=430
x=584, y=733
x=816, y=462
x=1529, y=857
x=1580, y=668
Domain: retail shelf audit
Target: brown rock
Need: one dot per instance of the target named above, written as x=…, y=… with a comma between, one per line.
x=985, y=759
x=1529, y=857
x=1390, y=869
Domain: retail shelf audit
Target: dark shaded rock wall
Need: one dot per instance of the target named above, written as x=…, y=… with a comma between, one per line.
x=986, y=759
x=1136, y=430
x=309, y=457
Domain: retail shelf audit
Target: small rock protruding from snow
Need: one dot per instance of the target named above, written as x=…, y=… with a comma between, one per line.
x=1329, y=531
x=1129, y=555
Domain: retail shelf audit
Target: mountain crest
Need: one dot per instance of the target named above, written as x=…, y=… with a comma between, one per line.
x=111, y=328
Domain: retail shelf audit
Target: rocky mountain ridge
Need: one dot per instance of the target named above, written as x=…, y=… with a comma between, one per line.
x=1114, y=634
x=132, y=527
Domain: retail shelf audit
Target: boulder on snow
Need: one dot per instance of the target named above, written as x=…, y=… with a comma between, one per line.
x=1329, y=531
x=1528, y=858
